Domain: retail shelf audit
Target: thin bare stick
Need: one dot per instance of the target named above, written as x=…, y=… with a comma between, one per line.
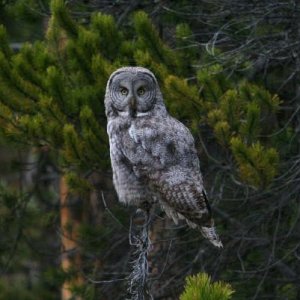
x=139, y=238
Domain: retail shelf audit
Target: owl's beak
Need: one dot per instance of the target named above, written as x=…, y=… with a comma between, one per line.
x=132, y=107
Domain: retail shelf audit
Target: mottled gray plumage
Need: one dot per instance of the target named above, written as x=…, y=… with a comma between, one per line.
x=153, y=155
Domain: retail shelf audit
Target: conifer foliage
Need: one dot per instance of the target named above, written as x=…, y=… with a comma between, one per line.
x=200, y=287
x=52, y=91
x=52, y=95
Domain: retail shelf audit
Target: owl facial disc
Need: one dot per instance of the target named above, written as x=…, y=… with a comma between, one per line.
x=132, y=93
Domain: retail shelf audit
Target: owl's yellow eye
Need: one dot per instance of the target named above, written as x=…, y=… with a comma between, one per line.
x=141, y=91
x=124, y=91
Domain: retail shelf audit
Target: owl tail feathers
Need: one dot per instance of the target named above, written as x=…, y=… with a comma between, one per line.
x=211, y=234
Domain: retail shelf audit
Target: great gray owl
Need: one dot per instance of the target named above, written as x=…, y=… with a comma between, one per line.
x=153, y=155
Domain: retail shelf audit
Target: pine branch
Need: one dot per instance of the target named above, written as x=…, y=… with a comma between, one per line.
x=4, y=46
x=63, y=17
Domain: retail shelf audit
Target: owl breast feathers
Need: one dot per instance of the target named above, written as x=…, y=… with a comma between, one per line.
x=153, y=155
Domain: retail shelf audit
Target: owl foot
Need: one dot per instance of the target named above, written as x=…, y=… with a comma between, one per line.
x=211, y=235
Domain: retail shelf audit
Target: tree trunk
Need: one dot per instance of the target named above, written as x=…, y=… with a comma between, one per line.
x=70, y=219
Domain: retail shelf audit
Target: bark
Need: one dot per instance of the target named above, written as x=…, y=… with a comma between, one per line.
x=71, y=260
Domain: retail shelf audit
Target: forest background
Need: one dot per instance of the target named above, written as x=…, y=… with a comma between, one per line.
x=228, y=69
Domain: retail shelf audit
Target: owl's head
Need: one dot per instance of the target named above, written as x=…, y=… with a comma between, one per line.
x=132, y=92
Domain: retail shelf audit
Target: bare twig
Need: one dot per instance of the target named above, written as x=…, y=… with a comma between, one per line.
x=138, y=285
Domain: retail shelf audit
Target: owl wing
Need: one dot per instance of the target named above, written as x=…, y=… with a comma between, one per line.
x=163, y=153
